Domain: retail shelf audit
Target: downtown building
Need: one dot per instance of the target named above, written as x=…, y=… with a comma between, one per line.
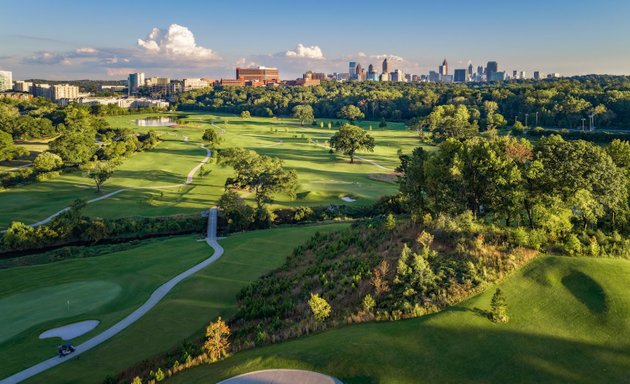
x=6, y=81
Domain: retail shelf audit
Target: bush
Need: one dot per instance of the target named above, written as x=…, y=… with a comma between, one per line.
x=572, y=245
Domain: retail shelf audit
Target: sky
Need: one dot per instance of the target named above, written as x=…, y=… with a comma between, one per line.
x=65, y=40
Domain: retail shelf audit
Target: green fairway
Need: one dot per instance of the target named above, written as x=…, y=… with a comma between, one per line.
x=570, y=322
x=187, y=308
x=105, y=288
x=25, y=310
x=324, y=178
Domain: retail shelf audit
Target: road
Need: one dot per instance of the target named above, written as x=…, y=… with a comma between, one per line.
x=153, y=300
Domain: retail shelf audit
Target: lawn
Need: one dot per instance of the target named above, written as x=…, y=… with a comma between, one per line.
x=324, y=178
x=188, y=308
x=569, y=323
x=105, y=288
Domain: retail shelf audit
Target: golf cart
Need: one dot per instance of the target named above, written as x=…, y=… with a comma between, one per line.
x=65, y=349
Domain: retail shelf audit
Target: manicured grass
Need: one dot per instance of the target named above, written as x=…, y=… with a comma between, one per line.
x=193, y=303
x=106, y=288
x=323, y=178
x=569, y=323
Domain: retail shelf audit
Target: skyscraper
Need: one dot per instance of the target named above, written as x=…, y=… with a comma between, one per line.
x=371, y=74
x=386, y=67
x=359, y=72
x=6, y=81
x=444, y=68
x=135, y=81
x=491, y=70
x=470, y=70
x=460, y=76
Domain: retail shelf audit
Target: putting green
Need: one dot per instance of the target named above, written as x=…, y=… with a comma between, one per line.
x=24, y=310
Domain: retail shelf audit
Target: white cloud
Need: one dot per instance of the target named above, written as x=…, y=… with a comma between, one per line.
x=177, y=41
x=86, y=50
x=390, y=57
x=302, y=51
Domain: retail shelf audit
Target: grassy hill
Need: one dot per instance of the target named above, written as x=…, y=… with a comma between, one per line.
x=570, y=322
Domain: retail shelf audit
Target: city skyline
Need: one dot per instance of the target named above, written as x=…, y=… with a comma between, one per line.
x=542, y=36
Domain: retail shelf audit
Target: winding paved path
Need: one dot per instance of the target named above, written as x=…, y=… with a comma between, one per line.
x=189, y=180
x=155, y=298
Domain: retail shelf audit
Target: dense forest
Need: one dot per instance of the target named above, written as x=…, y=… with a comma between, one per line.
x=559, y=103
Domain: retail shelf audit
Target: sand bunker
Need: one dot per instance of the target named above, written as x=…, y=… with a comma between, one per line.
x=348, y=199
x=282, y=376
x=70, y=331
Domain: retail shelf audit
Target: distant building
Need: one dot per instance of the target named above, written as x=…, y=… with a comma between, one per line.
x=260, y=74
x=352, y=70
x=371, y=74
x=446, y=78
x=460, y=76
x=6, y=81
x=384, y=76
x=522, y=75
x=314, y=75
x=112, y=88
x=491, y=69
x=16, y=95
x=443, y=70
x=538, y=75
x=127, y=102
x=470, y=71
x=515, y=75
x=22, y=86
x=398, y=76
x=496, y=76
x=554, y=75
x=434, y=77
x=196, y=83
x=134, y=82
x=42, y=90
x=385, y=68
x=63, y=93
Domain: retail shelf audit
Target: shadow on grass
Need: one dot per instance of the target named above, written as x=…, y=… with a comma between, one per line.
x=587, y=291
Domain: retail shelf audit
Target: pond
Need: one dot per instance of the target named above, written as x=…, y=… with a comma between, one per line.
x=162, y=121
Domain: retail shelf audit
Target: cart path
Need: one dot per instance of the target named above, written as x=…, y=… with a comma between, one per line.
x=189, y=180
x=153, y=300
x=317, y=144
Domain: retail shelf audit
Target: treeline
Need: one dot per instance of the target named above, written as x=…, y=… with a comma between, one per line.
x=550, y=193
x=552, y=103
x=71, y=227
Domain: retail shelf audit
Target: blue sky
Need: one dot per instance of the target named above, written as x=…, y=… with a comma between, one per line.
x=80, y=39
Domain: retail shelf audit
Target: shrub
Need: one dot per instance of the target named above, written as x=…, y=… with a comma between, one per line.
x=572, y=245
x=319, y=307
x=499, y=307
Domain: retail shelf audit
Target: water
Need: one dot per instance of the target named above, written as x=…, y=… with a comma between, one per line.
x=163, y=121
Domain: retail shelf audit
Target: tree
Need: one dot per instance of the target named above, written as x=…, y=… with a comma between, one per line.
x=238, y=214
x=99, y=171
x=217, y=340
x=368, y=303
x=351, y=112
x=382, y=123
x=8, y=150
x=350, y=139
x=319, y=307
x=159, y=375
x=498, y=307
x=245, y=115
x=263, y=175
x=211, y=136
x=304, y=113
x=378, y=279
x=136, y=380
x=47, y=161
x=74, y=147
x=390, y=222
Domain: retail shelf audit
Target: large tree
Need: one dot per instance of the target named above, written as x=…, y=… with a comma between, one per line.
x=263, y=175
x=8, y=150
x=99, y=171
x=351, y=112
x=304, y=113
x=211, y=136
x=350, y=139
x=74, y=146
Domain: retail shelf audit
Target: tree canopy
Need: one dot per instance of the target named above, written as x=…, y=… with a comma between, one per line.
x=350, y=139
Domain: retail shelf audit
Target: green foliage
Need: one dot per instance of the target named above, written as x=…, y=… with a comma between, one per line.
x=8, y=150
x=264, y=176
x=350, y=139
x=351, y=112
x=74, y=146
x=245, y=115
x=99, y=171
x=211, y=136
x=390, y=222
x=498, y=307
x=368, y=303
x=319, y=307
x=304, y=113
x=47, y=161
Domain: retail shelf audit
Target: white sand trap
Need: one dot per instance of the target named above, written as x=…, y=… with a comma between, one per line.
x=70, y=331
x=282, y=376
x=348, y=199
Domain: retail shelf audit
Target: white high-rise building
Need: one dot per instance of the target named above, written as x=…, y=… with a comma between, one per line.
x=22, y=86
x=64, y=91
x=6, y=81
x=135, y=81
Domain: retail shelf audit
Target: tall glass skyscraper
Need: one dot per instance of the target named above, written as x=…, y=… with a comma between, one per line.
x=135, y=81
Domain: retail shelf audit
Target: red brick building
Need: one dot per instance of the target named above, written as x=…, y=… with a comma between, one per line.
x=261, y=74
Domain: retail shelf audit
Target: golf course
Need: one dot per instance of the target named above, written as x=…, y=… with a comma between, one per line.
x=110, y=286
x=154, y=180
